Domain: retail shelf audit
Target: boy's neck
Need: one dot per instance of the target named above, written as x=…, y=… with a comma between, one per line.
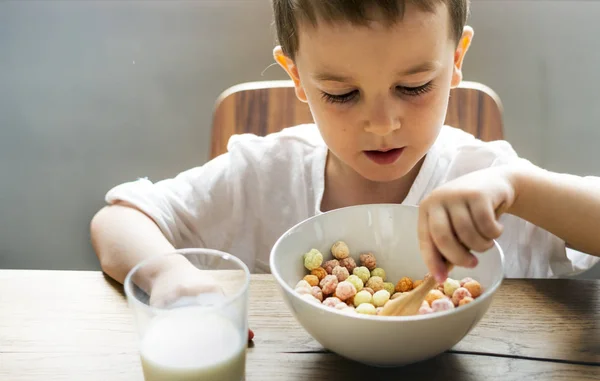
x=344, y=187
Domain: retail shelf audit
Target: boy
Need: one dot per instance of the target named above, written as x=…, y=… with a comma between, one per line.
x=377, y=76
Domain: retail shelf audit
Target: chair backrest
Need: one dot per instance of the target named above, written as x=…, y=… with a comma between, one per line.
x=265, y=107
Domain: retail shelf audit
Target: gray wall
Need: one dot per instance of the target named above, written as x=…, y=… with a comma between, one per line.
x=95, y=93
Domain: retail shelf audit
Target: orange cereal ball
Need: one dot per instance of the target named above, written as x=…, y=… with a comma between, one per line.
x=349, y=264
x=319, y=272
x=465, y=280
x=368, y=260
x=340, y=250
x=404, y=285
x=474, y=288
x=465, y=300
x=375, y=283
x=313, y=280
x=459, y=295
x=330, y=265
x=434, y=295
x=341, y=273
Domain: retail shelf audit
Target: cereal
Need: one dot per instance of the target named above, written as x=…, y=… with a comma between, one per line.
x=389, y=287
x=362, y=297
x=340, y=250
x=317, y=293
x=302, y=284
x=378, y=272
x=304, y=290
x=363, y=273
x=311, y=298
x=313, y=259
x=375, y=283
x=341, y=306
x=459, y=295
x=368, y=260
x=331, y=302
x=313, y=280
x=434, y=295
x=370, y=290
x=356, y=281
x=349, y=264
x=465, y=300
x=378, y=310
x=319, y=272
x=443, y=304
x=348, y=310
x=340, y=272
x=474, y=288
x=380, y=298
x=465, y=280
x=366, y=309
x=450, y=285
x=425, y=308
x=329, y=265
x=404, y=285
x=329, y=284
x=345, y=290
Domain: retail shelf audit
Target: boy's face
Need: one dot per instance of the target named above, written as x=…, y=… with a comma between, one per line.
x=378, y=94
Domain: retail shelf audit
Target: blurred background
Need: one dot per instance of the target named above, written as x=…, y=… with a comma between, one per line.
x=96, y=93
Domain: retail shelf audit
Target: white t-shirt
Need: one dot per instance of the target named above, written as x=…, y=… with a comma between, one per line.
x=243, y=201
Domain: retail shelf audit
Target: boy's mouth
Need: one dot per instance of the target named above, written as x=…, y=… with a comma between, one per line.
x=385, y=157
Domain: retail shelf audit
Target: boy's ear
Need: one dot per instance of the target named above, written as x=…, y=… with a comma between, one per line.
x=290, y=67
x=459, y=55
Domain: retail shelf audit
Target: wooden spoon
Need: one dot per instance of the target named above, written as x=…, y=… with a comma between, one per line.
x=409, y=303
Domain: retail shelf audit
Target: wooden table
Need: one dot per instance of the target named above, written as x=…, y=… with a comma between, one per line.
x=77, y=326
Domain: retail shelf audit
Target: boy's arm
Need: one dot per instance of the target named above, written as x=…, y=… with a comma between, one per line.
x=565, y=205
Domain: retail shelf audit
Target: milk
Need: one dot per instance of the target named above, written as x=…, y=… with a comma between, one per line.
x=193, y=344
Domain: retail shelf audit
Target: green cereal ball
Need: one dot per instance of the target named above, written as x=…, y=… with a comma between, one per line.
x=451, y=285
x=363, y=297
x=389, y=287
x=363, y=273
x=366, y=309
x=378, y=272
x=356, y=282
x=313, y=259
x=380, y=298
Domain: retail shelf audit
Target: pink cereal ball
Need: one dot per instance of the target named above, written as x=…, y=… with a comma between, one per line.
x=345, y=290
x=349, y=264
x=368, y=260
x=424, y=310
x=465, y=280
x=330, y=265
x=341, y=306
x=331, y=302
x=317, y=293
x=459, y=295
x=341, y=273
x=444, y=304
x=304, y=290
x=329, y=284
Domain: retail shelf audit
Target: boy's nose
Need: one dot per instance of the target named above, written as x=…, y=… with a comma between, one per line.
x=383, y=124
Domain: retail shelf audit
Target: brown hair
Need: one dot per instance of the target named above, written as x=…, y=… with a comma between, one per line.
x=288, y=13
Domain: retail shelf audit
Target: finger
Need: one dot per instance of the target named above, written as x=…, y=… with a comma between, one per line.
x=465, y=229
x=446, y=241
x=484, y=217
x=431, y=256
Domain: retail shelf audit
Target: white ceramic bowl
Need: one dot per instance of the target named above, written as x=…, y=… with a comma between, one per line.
x=390, y=233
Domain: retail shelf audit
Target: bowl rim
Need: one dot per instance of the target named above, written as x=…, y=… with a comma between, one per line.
x=489, y=292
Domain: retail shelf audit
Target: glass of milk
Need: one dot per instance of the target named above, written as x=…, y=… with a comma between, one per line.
x=191, y=312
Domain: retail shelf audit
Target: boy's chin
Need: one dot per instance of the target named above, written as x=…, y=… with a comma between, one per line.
x=384, y=175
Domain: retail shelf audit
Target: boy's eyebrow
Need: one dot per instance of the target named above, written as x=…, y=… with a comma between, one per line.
x=423, y=67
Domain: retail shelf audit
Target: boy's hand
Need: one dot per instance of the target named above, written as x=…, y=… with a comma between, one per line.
x=462, y=215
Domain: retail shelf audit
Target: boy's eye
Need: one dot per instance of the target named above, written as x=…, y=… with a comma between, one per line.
x=415, y=91
x=342, y=98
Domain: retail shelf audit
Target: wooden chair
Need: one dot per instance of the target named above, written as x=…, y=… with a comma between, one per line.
x=266, y=107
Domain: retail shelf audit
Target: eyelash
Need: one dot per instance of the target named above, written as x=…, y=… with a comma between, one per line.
x=348, y=97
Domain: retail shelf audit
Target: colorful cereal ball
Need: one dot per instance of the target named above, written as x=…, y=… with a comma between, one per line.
x=329, y=284
x=465, y=280
x=304, y=290
x=313, y=259
x=349, y=264
x=459, y=295
x=404, y=285
x=302, y=284
x=375, y=283
x=450, y=285
x=425, y=309
x=319, y=272
x=368, y=260
x=317, y=293
x=348, y=310
x=434, y=295
x=370, y=290
x=332, y=302
x=340, y=250
x=443, y=304
x=366, y=309
x=312, y=280
x=311, y=298
x=465, y=300
x=474, y=288
x=380, y=298
x=362, y=297
x=330, y=265
x=340, y=272
x=363, y=273
x=378, y=272
x=356, y=281
x=389, y=287
x=345, y=290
